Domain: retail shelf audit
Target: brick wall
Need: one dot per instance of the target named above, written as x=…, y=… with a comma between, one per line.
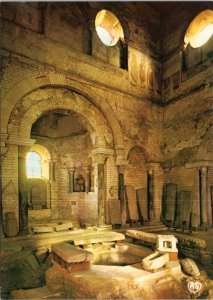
x=136, y=172
x=10, y=189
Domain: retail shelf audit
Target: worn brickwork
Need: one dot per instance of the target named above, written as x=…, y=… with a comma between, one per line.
x=160, y=103
x=136, y=171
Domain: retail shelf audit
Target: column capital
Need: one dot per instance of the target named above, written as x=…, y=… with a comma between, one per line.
x=121, y=168
x=101, y=154
x=71, y=169
x=152, y=166
x=203, y=170
x=87, y=168
x=103, y=150
x=22, y=151
x=100, y=158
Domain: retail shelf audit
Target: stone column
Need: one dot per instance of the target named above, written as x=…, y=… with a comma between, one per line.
x=121, y=191
x=23, y=193
x=154, y=191
x=150, y=195
x=87, y=179
x=71, y=179
x=52, y=171
x=203, y=196
x=100, y=159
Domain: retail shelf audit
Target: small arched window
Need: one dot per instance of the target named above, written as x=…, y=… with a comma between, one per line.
x=33, y=164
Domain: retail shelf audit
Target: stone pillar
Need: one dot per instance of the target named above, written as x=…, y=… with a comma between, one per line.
x=100, y=159
x=155, y=186
x=121, y=191
x=23, y=193
x=203, y=196
x=87, y=171
x=71, y=179
x=150, y=195
x=52, y=171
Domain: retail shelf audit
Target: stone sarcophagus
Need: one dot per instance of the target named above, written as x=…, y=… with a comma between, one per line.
x=71, y=258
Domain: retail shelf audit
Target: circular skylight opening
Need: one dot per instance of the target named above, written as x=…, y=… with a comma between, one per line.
x=108, y=28
x=104, y=35
x=200, y=30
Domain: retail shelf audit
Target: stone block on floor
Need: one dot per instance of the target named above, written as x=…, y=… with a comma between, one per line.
x=71, y=254
x=42, y=229
x=63, y=227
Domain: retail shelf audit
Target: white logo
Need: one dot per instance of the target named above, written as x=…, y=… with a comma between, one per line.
x=194, y=287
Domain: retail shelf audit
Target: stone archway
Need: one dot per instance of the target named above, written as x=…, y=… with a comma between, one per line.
x=34, y=104
x=30, y=84
x=29, y=110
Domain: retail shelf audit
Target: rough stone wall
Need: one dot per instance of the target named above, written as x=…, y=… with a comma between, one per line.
x=187, y=95
x=172, y=122
x=33, y=47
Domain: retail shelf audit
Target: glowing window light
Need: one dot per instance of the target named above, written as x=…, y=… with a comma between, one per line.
x=200, y=30
x=108, y=28
x=104, y=35
x=202, y=37
x=33, y=164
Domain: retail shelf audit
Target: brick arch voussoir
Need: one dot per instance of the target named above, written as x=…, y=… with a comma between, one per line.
x=30, y=84
x=36, y=110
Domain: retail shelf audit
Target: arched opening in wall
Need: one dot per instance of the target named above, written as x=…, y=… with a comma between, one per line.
x=136, y=176
x=108, y=28
x=33, y=164
x=198, y=40
x=67, y=136
x=37, y=170
x=110, y=32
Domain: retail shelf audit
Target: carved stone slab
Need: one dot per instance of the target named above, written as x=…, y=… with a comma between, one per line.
x=184, y=208
x=11, y=224
x=132, y=202
x=42, y=229
x=98, y=237
x=65, y=226
x=71, y=254
x=143, y=236
x=155, y=261
x=187, y=205
x=114, y=212
x=170, y=201
x=142, y=202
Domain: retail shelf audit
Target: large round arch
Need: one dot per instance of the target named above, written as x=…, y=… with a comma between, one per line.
x=30, y=84
x=57, y=98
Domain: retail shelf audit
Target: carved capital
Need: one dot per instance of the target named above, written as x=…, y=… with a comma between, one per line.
x=203, y=171
x=121, y=169
x=152, y=166
x=87, y=169
x=100, y=158
x=22, y=151
x=71, y=170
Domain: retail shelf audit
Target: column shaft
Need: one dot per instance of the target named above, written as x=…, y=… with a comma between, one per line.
x=203, y=194
x=101, y=194
x=23, y=194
